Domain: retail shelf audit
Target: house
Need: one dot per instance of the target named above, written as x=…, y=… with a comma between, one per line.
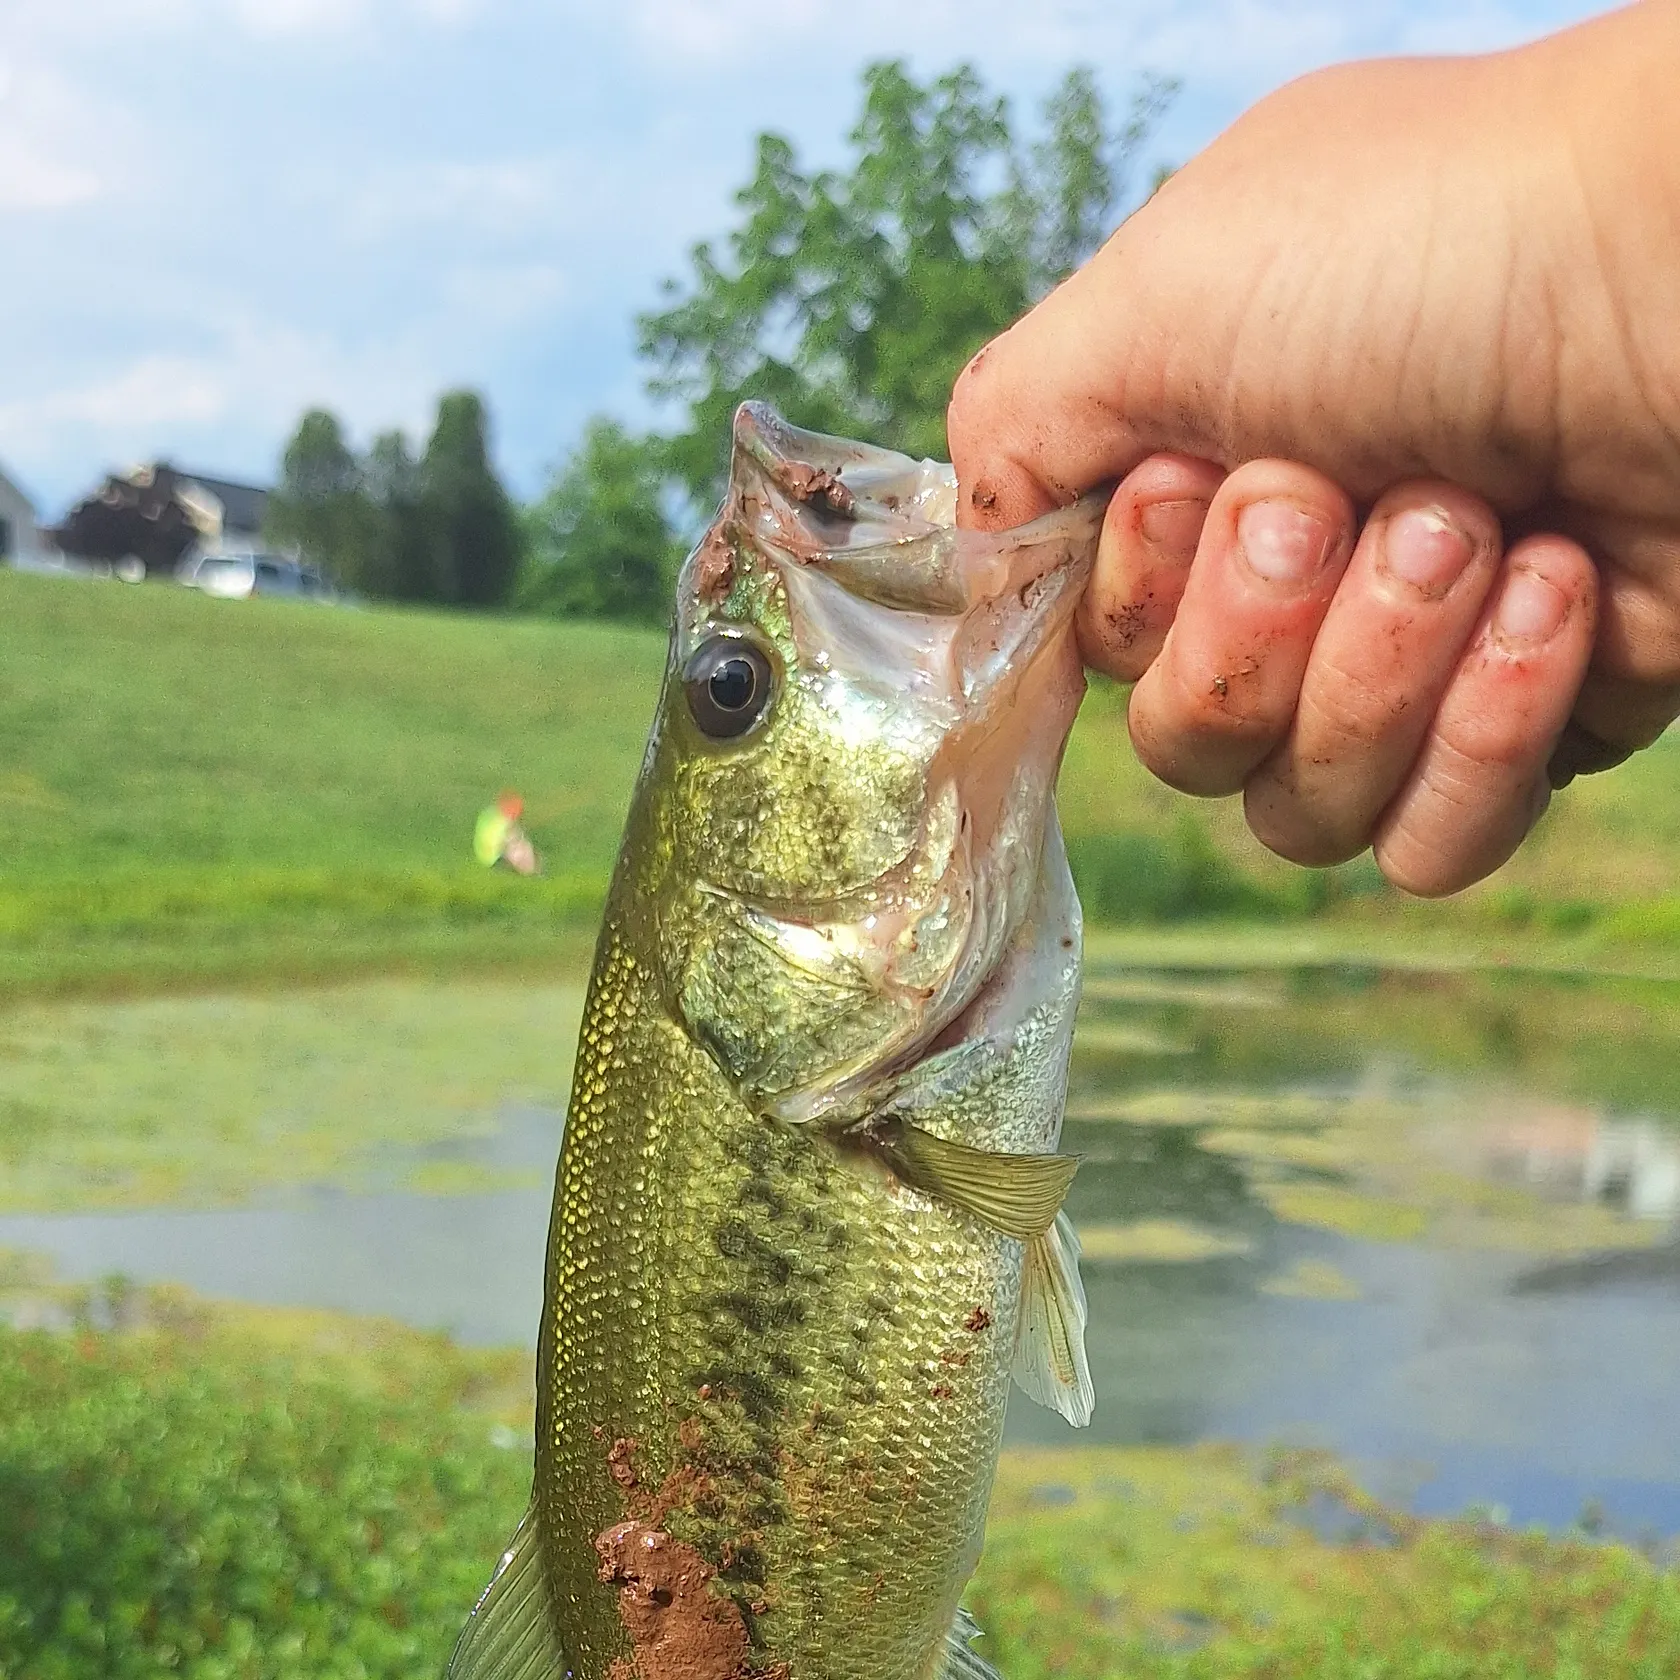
x=154, y=518
x=21, y=542
x=232, y=514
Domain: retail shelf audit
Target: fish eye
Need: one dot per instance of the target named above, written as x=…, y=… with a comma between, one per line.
x=729, y=683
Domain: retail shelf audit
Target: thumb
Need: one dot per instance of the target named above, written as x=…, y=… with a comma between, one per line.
x=1058, y=404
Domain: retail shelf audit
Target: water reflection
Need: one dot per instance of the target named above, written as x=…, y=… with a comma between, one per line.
x=1424, y=1221
x=1571, y=1153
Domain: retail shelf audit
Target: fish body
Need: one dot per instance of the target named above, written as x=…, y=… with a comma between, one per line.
x=806, y=1219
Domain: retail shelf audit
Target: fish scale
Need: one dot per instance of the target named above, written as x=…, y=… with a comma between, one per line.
x=801, y=1235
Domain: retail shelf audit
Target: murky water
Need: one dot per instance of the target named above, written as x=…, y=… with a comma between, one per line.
x=1423, y=1220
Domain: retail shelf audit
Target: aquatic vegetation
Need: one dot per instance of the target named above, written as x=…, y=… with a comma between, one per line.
x=196, y=1100
x=1313, y=1280
x=1118, y=1038
x=1157, y=1241
x=1332, y=1150
x=1168, y=988
x=1351, y=1213
x=1207, y=1108
x=1479, y=1109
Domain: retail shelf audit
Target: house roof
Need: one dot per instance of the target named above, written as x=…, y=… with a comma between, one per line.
x=157, y=513
x=243, y=505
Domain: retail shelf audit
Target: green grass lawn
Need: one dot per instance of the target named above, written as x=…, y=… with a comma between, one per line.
x=194, y=790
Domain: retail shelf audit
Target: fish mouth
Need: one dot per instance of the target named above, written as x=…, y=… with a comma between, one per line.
x=979, y=628
x=976, y=626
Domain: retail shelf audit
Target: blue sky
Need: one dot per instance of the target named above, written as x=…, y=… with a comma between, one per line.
x=214, y=213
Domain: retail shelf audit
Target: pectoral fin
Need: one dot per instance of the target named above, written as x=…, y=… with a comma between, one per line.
x=1019, y=1195
x=1050, y=1365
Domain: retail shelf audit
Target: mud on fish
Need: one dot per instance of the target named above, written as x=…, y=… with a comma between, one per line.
x=807, y=1220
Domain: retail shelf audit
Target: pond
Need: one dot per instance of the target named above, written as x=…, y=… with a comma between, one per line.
x=1426, y=1220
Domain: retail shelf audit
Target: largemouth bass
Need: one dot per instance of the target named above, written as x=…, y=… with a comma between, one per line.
x=807, y=1216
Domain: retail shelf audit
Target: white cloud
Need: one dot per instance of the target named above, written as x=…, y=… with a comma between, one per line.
x=31, y=181
x=506, y=197
x=499, y=296
x=211, y=407
x=316, y=17
x=297, y=17
x=58, y=146
x=90, y=21
x=148, y=392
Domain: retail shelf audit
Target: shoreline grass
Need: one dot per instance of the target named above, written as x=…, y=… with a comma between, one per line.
x=174, y=930
x=212, y=1491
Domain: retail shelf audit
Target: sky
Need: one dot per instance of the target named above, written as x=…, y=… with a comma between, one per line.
x=217, y=213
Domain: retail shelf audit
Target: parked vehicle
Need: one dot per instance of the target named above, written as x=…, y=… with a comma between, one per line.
x=236, y=577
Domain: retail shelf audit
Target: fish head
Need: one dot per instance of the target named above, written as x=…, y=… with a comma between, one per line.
x=854, y=763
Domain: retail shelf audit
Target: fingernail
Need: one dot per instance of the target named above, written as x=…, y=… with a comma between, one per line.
x=1172, y=529
x=1283, y=543
x=1423, y=547
x=1530, y=610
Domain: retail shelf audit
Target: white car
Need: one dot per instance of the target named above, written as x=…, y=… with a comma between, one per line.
x=236, y=577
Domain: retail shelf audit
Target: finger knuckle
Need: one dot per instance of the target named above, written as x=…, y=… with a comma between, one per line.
x=1118, y=635
x=1194, y=767
x=1344, y=709
x=1297, y=829
x=1474, y=741
x=1422, y=858
x=1224, y=701
x=1416, y=872
x=1459, y=823
x=1196, y=735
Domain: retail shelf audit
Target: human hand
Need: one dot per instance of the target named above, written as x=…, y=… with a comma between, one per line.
x=1388, y=380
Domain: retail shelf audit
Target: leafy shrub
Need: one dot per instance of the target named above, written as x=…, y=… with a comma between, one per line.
x=1139, y=876
x=169, y=1511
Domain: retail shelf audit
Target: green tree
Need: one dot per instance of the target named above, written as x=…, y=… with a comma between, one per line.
x=599, y=544
x=851, y=299
x=468, y=512
x=406, y=562
x=1076, y=174
x=318, y=507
